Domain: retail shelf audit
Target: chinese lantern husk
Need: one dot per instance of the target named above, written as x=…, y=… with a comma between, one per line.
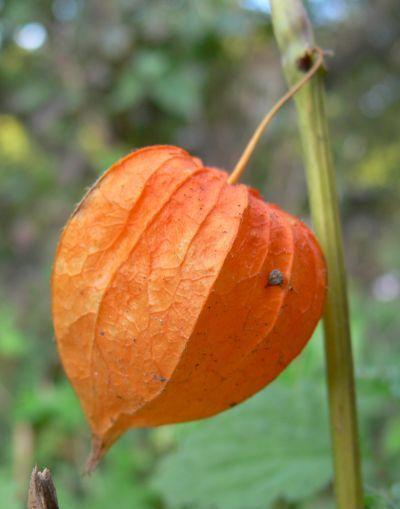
x=161, y=303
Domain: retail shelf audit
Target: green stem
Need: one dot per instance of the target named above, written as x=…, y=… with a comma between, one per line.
x=294, y=35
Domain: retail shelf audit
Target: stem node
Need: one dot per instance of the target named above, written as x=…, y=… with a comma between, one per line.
x=248, y=151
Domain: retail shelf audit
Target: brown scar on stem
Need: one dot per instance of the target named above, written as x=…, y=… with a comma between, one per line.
x=305, y=62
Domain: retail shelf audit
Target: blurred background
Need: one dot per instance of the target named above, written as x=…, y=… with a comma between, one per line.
x=83, y=82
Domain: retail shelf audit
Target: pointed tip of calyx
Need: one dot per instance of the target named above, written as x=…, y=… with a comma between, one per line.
x=98, y=449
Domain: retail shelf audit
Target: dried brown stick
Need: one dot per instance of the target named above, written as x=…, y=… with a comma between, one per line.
x=42, y=492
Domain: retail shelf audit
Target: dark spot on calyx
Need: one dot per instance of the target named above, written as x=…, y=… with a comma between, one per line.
x=159, y=378
x=275, y=278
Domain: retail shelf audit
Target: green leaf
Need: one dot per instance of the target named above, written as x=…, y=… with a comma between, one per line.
x=120, y=481
x=391, y=442
x=374, y=499
x=180, y=91
x=52, y=403
x=12, y=343
x=128, y=90
x=275, y=445
x=8, y=491
x=33, y=94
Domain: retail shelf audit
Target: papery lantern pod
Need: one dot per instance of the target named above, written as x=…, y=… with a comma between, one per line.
x=177, y=295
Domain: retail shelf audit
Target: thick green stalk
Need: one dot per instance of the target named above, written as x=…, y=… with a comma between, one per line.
x=293, y=32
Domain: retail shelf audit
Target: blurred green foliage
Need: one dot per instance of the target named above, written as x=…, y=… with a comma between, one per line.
x=84, y=81
x=274, y=446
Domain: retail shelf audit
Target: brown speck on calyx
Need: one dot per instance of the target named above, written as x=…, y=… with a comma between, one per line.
x=275, y=278
x=160, y=378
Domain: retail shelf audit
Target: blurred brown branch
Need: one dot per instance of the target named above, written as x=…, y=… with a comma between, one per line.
x=22, y=453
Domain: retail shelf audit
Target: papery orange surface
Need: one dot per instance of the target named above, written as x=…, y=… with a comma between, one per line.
x=162, y=302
